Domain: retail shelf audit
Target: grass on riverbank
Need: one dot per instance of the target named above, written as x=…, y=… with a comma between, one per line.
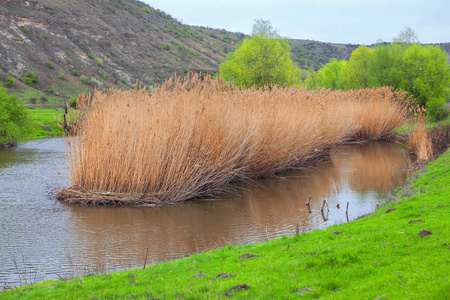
x=379, y=256
x=45, y=123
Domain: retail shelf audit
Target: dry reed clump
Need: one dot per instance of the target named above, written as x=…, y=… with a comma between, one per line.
x=192, y=137
x=418, y=141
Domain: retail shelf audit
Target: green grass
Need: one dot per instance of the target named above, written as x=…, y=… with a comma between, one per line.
x=381, y=255
x=45, y=123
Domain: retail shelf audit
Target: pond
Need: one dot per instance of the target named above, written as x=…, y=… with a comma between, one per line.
x=42, y=239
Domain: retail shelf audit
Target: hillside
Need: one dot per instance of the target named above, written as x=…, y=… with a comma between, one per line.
x=65, y=43
x=54, y=49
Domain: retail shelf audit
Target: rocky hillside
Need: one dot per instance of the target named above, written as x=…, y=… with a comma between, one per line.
x=64, y=46
x=53, y=49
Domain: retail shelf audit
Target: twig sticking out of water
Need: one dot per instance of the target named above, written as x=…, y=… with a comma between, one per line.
x=346, y=211
x=145, y=263
x=323, y=205
x=309, y=200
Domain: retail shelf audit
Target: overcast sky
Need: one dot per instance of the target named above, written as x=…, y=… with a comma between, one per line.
x=336, y=21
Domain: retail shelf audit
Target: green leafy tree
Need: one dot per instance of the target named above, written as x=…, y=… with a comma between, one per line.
x=14, y=121
x=357, y=74
x=426, y=73
x=262, y=60
x=330, y=75
x=386, y=65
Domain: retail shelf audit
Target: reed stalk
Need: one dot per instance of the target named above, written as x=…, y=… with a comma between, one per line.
x=193, y=137
x=418, y=141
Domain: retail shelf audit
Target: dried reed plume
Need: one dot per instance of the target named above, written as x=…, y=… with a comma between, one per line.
x=418, y=141
x=193, y=137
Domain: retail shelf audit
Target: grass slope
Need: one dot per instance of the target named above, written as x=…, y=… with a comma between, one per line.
x=381, y=255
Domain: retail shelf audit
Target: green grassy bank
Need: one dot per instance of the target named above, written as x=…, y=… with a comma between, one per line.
x=379, y=256
x=44, y=122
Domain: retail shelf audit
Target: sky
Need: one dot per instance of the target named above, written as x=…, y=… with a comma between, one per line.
x=335, y=21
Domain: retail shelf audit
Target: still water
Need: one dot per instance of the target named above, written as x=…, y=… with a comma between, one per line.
x=42, y=239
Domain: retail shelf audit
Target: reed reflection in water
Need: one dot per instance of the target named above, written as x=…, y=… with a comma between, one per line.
x=362, y=175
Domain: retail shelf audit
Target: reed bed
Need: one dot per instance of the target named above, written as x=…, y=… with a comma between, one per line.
x=193, y=137
x=419, y=142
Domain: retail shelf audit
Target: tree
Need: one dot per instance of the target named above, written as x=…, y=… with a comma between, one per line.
x=407, y=36
x=427, y=77
x=14, y=121
x=262, y=60
x=264, y=28
x=357, y=75
x=386, y=65
x=330, y=75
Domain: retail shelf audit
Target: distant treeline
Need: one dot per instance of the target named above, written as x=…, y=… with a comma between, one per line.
x=422, y=71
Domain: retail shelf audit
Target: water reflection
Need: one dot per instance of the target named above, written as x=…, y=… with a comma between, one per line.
x=57, y=238
x=262, y=210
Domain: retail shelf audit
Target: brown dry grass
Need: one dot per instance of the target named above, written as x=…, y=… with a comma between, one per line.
x=418, y=141
x=192, y=137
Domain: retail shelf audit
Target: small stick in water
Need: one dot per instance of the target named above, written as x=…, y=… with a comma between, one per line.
x=309, y=200
x=346, y=211
x=145, y=263
x=323, y=205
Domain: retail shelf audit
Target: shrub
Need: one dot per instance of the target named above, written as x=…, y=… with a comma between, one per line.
x=43, y=99
x=52, y=90
x=98, y=83
x=14, y=121
x=62, y=76
x=85, y=79
x=146, y=9
x=9, y=82
x=73, y=102
x=32, y=100
x=27, y=81
x=30, y=78
x=99, y=62
x=103, y=75
x=75, y=73
x=90, y=56
x=436, y=109
x=49, y=64
x=165, y=47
